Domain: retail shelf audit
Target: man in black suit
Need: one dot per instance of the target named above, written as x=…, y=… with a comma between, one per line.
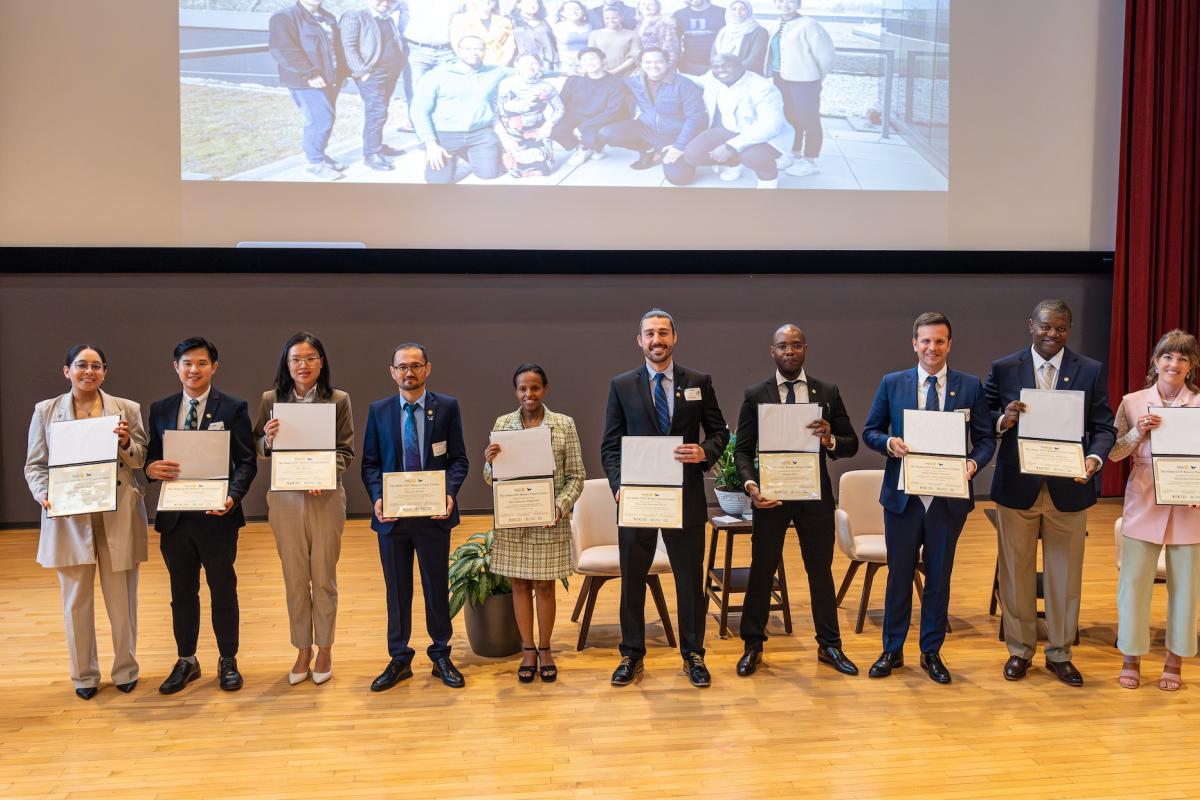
x=661, y=398
x=194, y=539
x=813, y=518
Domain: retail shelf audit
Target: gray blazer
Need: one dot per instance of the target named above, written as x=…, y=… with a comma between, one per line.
x=68, y=541
x=345, y=427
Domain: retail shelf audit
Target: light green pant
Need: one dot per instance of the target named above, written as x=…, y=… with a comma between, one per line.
x=1139, y=565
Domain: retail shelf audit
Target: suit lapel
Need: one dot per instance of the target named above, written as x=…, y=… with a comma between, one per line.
x=110, y=405
x=1025, y=371
x=210, y=408
x=769, y=391
x=170, y=410
x=64, y=409
x=1069, y=374
x=431, y=416
x=953, y=387
x=680, y=382
x=641, y=378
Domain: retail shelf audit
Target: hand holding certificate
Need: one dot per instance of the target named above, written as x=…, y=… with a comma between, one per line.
x=201, y=473
x=82, y=467
x=1050, y=433
x=303, y=454
x=651, y=482
x=789, y=461
x=523, y=478
x=936, y=464
x=1175, y=455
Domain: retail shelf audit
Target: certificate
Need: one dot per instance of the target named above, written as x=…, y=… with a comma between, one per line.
x=1052, y=414
x=523, y=454
x=414, y=494
x=650, y=461
x=783, y=427
x=83, y=441
x=789, y=476
x=1179, y=433
x=297, y=470
x=82, y=489
x=1176, y=481
x=523, y=503
x=936, y=476
x=651, y=507
x=188, y=495
x=935, y=432
x=201, y=455
x=1055, y=459
x=305, y=426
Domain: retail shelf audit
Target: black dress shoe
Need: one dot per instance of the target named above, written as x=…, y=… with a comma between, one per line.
x=748, y=664
x=378, y=162
x=626, y=671
x=183, y=673
x=393, y=152
x=645, y=160
x=1065, y=671
x=398, y=669
x=444, y=670
x=886, y=662
x=932, y=663
x=228, y=677
x=834, y=657
x=86, y=692
x=127, y=687
x=1015, y=668
x=693, y=667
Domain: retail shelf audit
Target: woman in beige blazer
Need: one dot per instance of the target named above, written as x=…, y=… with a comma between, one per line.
x=114, y=542
x=308, y=525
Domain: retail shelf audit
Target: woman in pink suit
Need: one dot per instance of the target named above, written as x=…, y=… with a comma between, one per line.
x=1148, y=527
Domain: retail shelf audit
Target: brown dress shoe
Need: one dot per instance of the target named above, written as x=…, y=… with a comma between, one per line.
x=1015, y=668
x=1065, y=671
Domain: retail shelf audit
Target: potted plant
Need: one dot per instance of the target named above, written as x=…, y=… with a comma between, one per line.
x=491, y=625
x=728, y=486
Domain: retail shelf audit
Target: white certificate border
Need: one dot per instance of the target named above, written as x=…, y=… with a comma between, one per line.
x=1154, y=471
x=966, y=495
x=274, y=488
x=58, y=467
x=225, y=491
x=384, y=497
x=1060, y=442
x=510, y=482
x=807, y=456
x=621, y=507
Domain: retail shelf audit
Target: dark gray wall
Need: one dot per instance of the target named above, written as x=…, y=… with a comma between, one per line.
x=478, y=328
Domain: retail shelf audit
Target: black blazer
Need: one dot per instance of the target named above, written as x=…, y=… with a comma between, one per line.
x=164, y=416
x=631, y=413
x=832, y=409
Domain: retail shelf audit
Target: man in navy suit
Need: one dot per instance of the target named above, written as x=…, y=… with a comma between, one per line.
x=413, y=431
x=1054, y=507
x=661, y=398
x=920, y=527
x=194, y=539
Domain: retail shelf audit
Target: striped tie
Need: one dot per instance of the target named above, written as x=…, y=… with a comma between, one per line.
x=662, y=411
x=1046, y=376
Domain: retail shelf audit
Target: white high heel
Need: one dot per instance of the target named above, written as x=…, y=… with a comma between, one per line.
x=321, y=677
x=298, y=677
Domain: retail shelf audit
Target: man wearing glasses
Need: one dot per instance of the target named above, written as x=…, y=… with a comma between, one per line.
x=415, y=431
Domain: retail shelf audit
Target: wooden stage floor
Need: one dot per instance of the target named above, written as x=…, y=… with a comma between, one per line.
x=796, y=729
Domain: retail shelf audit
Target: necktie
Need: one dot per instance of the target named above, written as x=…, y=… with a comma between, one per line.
x=412, y=445
x=791, y=394
x=931, y=398
x=189, y=422
x=1046, y=376
x=662, y=411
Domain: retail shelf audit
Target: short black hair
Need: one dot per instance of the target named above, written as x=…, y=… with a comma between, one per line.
x=1053, y=306
x=79, y=348
x=933, y=318
x=195, y=343
x=409, y=346
x=656, y=313
x=534, y=368
x=587, y=50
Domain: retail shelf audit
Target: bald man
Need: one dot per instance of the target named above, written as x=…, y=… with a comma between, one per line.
x=813, y=519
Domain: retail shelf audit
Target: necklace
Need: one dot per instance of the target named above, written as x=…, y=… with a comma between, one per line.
x=91, y=412
x=1170, y=399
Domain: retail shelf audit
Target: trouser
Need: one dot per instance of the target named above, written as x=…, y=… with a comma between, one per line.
x=563, y=131
x=196, y=542
x=431, y=544
x=919, y=535
x=308, y=537
x=78, y=584
x=1062, y=568
x=480, y=148
x=1135, y=586
x=376, y=93
x=421, y=59
x=815, y=532
x=802, y=108
x=685, y=550
x=317, y=106
x=758, y=157
x=634, y=135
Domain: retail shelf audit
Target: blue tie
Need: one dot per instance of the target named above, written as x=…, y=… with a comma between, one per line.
x=412, y=444
x=791, y=395
x=660, y=404
x=931, y=400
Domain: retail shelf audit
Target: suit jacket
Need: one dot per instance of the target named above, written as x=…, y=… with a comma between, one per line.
x=224, y=408
x=898, y=391
x=832, y=409
x=344, y=418
x=1007, y=377
x=383, y=451
x=631, y=413
x=68, y=541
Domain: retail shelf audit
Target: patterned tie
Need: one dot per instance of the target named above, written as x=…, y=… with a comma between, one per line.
x=791, y=395
x=931, y=398
x=1046, y=376
x=662, y=411
x=189, y=422
x=412, y=444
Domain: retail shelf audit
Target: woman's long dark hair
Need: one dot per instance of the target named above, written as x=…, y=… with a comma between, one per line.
x=284, y=385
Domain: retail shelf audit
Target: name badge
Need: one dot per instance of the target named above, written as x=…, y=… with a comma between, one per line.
x=439, y=448
x=692, y=394
x=217, y=426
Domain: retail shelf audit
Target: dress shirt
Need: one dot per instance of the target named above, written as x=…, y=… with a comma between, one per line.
x=186, y=404
x=309, y=397
x=668, y=386
x=419, y=419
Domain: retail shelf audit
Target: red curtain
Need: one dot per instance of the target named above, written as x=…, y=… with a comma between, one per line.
x=1156, y=276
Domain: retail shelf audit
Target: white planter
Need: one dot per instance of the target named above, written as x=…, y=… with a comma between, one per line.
x=736, y=504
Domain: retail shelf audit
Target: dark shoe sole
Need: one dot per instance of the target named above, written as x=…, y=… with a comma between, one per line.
x=831, y=663
x=636, y=673
x=231, y=687
x=383, y=688
x=127, y=687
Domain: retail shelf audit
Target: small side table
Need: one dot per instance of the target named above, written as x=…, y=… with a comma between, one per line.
x=720, y=582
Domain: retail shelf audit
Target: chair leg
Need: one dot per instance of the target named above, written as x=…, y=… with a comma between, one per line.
x=850, y=573
x=583, y=593
x=866, y=595
x=660, y=602
x=594, y=591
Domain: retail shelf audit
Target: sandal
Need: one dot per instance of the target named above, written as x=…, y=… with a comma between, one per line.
x=526, y=672
x=549, y=672
x=1171, y=681
x=1130, y=676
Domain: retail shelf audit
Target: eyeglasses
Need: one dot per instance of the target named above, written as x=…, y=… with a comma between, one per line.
x=309, y=361
x=785, y=347
x=84, y=366
x=409, y=367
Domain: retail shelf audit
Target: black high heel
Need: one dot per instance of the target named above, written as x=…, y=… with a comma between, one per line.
x=549, y=672
x=527, y=672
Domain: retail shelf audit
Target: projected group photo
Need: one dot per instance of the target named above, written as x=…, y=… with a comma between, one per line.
x=788, y=94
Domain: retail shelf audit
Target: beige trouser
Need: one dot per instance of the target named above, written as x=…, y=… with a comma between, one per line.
x=78, y=585
x=308, y=536
x=1062, y=575
x=1135, y=588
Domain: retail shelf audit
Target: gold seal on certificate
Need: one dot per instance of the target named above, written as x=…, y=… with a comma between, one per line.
x=299, y=470
x=185, y=495
x=1054, y=459
x=789, y=476
x=1176, y=481
x=936, y=476
x=414, y=494
x=651, y=507
x=523, y=503
x=82, y=489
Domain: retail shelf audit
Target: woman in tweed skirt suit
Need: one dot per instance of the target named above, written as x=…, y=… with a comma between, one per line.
x=534, y=558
